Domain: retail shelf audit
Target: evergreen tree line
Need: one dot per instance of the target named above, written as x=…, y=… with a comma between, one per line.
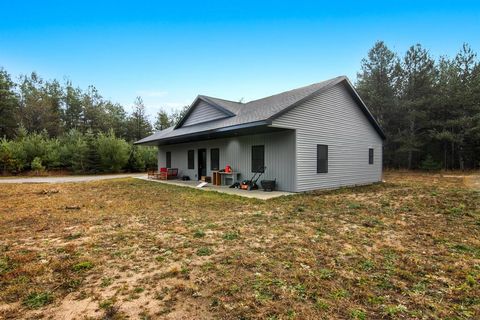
x=48, y=125
x=429, y=108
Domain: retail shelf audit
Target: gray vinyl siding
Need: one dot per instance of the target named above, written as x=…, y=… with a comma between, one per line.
x=279, y=156
x=203, y=112
x=333, y=118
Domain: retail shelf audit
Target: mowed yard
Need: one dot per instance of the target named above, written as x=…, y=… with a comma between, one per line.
x=405, y=249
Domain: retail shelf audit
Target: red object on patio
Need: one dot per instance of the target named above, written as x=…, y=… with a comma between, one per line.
x=163, y=173
x=168, y=173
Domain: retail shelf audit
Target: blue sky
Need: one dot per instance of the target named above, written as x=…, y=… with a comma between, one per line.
x=168, y=52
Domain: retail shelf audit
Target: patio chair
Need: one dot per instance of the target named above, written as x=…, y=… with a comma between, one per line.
x=168, y=173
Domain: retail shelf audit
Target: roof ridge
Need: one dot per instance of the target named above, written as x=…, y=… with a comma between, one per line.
x=276, y=94
x=209, y=97
x=298, y=89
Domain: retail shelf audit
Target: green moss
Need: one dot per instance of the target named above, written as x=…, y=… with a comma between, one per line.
x=83, y=266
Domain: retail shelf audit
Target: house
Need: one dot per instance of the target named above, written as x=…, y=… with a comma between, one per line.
x=314, y=137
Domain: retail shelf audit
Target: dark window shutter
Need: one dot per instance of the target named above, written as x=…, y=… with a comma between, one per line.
x=191, y=159
x=370, y=156
x=322, y=158
x=258, y=158
x=214, y=159
x=169, y=159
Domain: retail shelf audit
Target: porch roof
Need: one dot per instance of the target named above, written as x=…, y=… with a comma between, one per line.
x=191, y=133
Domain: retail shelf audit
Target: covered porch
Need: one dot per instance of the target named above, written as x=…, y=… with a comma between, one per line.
x=245, y=154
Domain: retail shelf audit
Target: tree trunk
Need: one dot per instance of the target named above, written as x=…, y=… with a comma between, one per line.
x=412, y=136
x=410, y=159
x=445, y=156
x=460, y=159
x=452, y=157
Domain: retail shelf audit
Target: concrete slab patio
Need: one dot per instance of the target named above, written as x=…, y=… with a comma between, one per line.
x=257, y=194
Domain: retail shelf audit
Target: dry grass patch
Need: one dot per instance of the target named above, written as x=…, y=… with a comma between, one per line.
x=407, y=248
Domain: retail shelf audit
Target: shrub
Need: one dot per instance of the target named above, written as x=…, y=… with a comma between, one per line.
x=52, y=158
x=136, y=162
x=113, y=152
x=12, y=156
x=36, y=165
x=150, y=156
x=34, y=145
x=6, y=156
x=142, y=158
x=74, y=151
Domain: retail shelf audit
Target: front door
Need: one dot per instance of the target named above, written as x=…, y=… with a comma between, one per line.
x=202, y=163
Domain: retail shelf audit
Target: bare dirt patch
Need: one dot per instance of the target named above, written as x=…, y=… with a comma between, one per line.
x=473, y=181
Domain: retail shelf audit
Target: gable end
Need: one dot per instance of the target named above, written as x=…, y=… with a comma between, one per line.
x=351, y=90
x=203, y=110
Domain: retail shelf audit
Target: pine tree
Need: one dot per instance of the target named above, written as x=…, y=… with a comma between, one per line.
x=92, y=163
x=162, y=121
x=73, y=107
x=467, y=107
x=139, y=126
x=416, y=95
x=94, y=115
x=41, y=105
x=116, y=119
x=377, y=86
x=441, y=112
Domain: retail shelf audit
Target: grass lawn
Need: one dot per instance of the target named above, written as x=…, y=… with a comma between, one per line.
x=408, y=248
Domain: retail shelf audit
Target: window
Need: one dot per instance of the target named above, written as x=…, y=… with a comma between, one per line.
x=169, y=159
x=191, y=159
x=214, y=159
x=370, y=156
x=322, y=158
x=258, y=158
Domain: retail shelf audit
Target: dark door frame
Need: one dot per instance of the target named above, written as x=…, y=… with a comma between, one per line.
x=202, y=162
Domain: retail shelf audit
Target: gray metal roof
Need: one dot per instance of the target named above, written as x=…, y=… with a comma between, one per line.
x=256, y=112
